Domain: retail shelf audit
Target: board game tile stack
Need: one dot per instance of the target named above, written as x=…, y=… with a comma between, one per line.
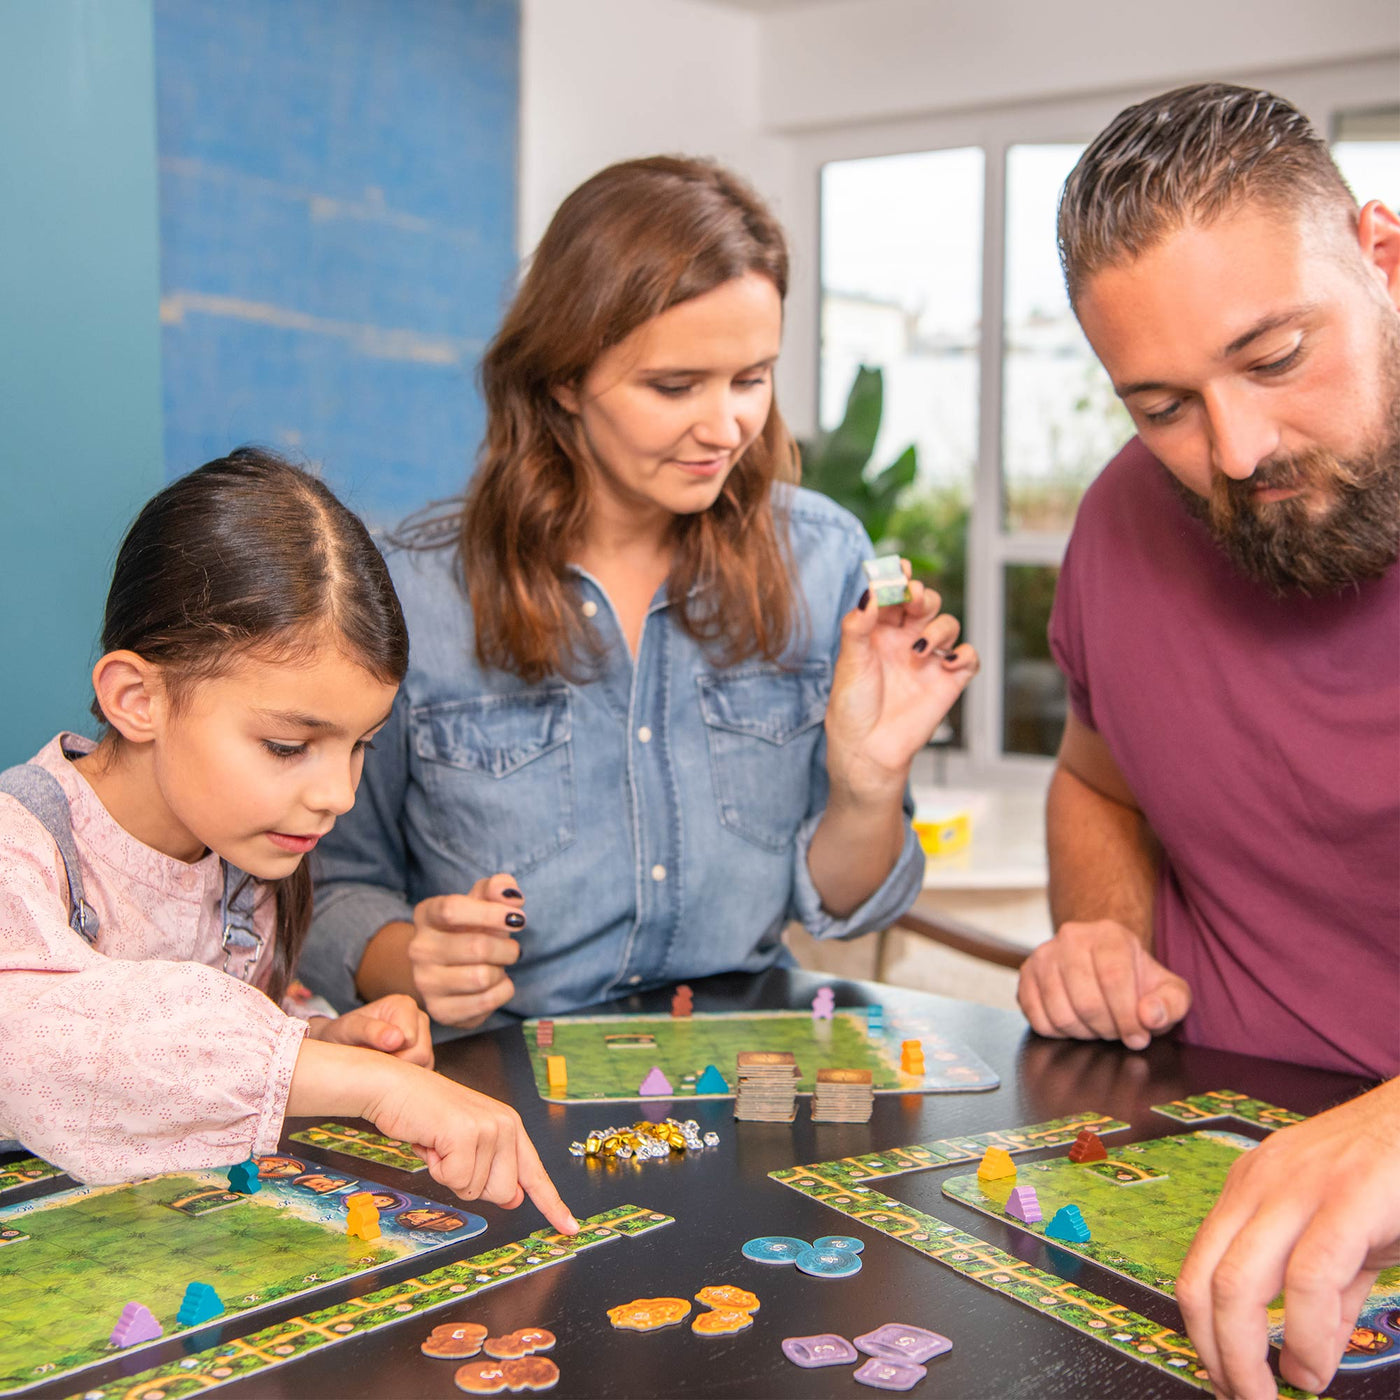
x=1088, y=1147
x=683, y=1003
x=911, y=1057
x=544, y=1034
x=766, y=1086
x=843, y=1096
x=557, y=1073
x=136, y=1324
x=1024, y=1204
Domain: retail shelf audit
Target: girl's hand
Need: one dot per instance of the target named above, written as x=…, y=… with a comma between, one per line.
x=461, y=947
x=891, y=689
x=393, y=1024
x=474, y=1145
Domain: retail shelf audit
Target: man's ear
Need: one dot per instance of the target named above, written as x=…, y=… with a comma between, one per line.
x=1379, y=232
x=566, y=396
x=131, y=695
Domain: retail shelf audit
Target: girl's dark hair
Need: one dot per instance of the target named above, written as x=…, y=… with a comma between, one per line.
x=252, y=555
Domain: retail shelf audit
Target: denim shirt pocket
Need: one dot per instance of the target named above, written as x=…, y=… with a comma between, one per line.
x=498, y=771
x=762, y=722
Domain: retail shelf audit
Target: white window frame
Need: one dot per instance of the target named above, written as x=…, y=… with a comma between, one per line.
x=1321, y=91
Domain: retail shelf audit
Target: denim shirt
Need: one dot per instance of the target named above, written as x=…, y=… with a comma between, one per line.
x=657, y=817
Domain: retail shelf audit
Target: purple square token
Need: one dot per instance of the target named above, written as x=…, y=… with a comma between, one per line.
x=899, y=1341
x=825, y=1349
x=890, y=1375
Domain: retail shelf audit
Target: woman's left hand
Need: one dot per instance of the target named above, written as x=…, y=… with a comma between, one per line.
x=897, y=675
x=395, y=1024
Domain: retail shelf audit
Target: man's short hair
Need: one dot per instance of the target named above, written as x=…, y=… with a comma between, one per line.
x=1189, y=155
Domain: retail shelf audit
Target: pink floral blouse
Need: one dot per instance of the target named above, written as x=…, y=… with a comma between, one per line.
x=138, y=1055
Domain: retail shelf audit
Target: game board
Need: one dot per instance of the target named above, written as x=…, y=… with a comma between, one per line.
x=70, y=1262
x=362, y=1143
x=1144, y=1205
x=842, y=1186
x=25, y=1171
x=452, y=1283
x=608, y=1056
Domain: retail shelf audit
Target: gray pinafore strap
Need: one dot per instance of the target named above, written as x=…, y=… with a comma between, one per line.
x=41, y=793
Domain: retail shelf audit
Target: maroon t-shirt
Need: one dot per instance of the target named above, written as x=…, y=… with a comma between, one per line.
x=1261, y=738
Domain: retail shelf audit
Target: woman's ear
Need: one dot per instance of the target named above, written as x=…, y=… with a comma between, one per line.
x=566, y=396
x=130, y=694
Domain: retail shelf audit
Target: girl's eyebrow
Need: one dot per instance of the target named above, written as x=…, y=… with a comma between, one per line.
x=296, y=720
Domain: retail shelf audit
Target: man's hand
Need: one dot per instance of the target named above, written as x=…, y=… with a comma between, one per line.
x=461, y=947
x=1095, y=981
x=1313, y=1213
x=392, y=1024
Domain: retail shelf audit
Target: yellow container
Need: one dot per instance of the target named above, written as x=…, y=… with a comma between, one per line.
x=942, y=833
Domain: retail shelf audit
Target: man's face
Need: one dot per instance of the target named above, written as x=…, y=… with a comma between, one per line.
x=1259, y=356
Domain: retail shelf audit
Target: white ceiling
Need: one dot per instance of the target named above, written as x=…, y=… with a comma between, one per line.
x=763, y=6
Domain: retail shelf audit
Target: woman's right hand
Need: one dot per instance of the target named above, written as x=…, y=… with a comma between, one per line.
x=460, y=949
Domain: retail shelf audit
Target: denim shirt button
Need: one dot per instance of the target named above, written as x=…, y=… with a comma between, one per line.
x=634, y=980
x=658, y=873
x=644, y=735
x=589, y=609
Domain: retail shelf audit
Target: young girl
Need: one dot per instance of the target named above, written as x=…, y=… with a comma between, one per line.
x=252, y=648
x=648, y=681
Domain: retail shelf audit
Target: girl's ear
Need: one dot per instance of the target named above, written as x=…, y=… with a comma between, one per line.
x=566, y=396
x=129, y=691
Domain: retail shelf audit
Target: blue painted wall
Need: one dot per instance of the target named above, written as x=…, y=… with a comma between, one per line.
x=80, y=429
x=337, y=212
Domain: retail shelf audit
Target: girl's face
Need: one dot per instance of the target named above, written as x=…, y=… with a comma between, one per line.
x=667, y=412
x=257, y=764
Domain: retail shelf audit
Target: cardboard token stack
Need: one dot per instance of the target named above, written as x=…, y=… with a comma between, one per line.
x=766, y=1086
x=843, y=1096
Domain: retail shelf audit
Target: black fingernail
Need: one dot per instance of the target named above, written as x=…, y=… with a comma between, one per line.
x=864, y=599
x=512, y=893
x=921, y=645
x=514, y=920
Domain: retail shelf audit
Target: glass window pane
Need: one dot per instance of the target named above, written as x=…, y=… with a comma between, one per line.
x=1034, y=701
x=1367, y=151
x=1061, y=421
x=901, y=275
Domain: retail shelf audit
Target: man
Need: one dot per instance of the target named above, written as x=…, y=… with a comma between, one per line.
x=1224, y=817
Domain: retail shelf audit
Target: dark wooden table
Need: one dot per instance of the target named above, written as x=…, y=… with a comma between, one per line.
x=722, y=1197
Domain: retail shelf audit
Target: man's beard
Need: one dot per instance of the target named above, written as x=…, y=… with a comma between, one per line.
x=1343, y=527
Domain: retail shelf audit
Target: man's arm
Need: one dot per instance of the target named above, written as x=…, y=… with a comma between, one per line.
x=1097, y=979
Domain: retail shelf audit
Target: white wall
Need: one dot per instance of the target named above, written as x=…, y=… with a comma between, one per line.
x=869, y=60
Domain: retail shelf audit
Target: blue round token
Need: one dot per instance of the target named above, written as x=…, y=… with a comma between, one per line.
x=828, y=1263
x=775, y=1249
x=839, y=1242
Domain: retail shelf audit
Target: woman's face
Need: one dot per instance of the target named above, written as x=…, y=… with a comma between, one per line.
x=668, y=412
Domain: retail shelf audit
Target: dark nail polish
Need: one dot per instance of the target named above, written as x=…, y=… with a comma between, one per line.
x=512, y=893
x=864, y=599
x=514, y=920
x=921, y=645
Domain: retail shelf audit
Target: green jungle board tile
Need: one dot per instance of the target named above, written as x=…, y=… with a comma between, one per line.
x=840, y=1186
x=1224, y=1103
x=71, y=1261
x=361, y=1142
x=1143, y=1207
x=328, y=1327
x=25, y=1172
x=608, y=1056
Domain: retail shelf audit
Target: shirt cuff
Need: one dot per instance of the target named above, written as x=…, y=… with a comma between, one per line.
x=279, y=1086
x=892, y=898
x=348, y=915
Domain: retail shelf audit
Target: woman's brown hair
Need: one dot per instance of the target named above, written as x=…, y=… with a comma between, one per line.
x=633, y=241
x=251, y=555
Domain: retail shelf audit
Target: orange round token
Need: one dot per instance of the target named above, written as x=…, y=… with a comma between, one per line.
x=726, y=1297
x=720, y=1321
x=647, y=1314
x=531, y=1373
x=520, y=1343
x=481, y=1377
x=454, y=1341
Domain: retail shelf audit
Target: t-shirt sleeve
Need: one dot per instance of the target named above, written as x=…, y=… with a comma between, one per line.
x=114, y=1069
x=1067, y=631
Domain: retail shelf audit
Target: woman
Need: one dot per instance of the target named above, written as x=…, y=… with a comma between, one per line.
x=650, y=706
